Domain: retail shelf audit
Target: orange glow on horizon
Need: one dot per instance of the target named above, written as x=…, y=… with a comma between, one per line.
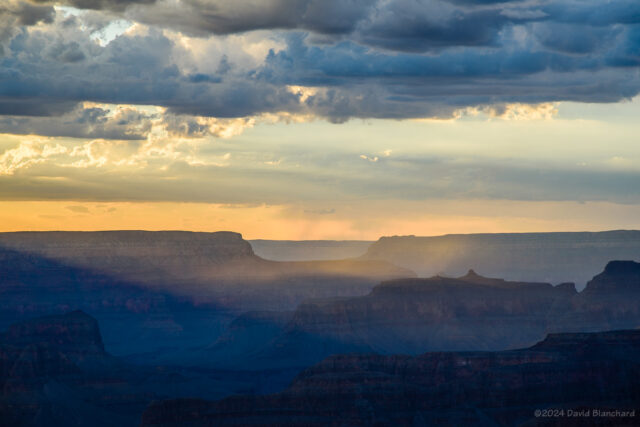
x=348, y=222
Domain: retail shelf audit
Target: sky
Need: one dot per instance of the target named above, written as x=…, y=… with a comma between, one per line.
x=309, y=119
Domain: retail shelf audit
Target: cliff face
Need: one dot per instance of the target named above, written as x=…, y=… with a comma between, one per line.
x=112, y=248
x=246, y=335
x=411, y=316
x=154, y=258
x=207, y=267
x=52, y=353
x=552, y=257
x=610, y=301
x=568, y=371
x=133, y=317
x=308, y=250
x=159, y=292
x=55, y=372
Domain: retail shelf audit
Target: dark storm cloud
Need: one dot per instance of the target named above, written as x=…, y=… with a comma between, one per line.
x=405, y=25
x=16, y=13
x=410, y=26
x=130, y=70
x=15, y=104
x=25, y=12
x=29, y=14
x=481, y=2
x=571, y=38
x=366, y=83
x=91, y=122
x=383, y=59
x=226, y=17
x=115, y=5
x=597, y=13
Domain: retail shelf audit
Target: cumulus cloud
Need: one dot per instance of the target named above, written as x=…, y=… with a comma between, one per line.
x=332, y=59
x=85, y=121
x=17, y=13
x=198, y=126
x=226, y=17
x=130, y=93
x=29, y=153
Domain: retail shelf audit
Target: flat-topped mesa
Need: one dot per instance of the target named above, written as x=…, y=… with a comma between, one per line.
x=158, y=259
x=105, y=245
x=622, y=267
x=617, y=276
x=73, y=332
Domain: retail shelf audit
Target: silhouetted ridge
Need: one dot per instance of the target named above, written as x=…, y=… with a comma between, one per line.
x=579, y=340
x=622, y=267
x=443, y=388
x=471, y=281
x=617, y=276
x=411, y=316
x=569, y=287
x=218, y=268
x=550, y=257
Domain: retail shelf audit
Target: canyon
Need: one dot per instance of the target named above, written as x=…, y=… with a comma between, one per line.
x=564, y=371
x=199, y=330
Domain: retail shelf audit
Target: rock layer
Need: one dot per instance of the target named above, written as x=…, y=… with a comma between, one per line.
x=413, y=316
x=156, y=293
x=550, y=257
x=218, y=267
x=565, y=371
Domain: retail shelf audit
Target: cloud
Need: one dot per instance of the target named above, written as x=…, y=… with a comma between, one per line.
x=85, y=121
x=335, y=60
x=26, y=13
x=78, y=209
x=330, y=211
x=545, y=111
x=107, y=171
x=226, y=17
x=572, y=38
x=198, y=126
x=114, y=5
x=406, y=25
x=27, y=154
x=17, y=13
x=372, y=159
